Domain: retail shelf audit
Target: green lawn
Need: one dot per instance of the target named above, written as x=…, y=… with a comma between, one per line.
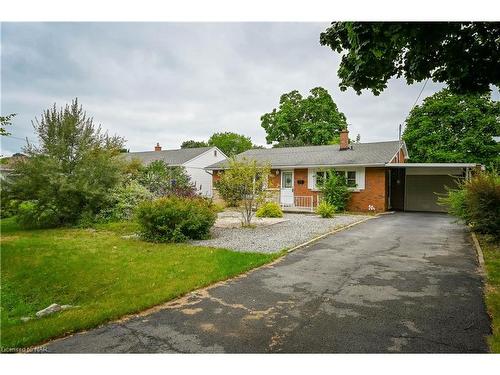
x=106, y=275
x=491, y=251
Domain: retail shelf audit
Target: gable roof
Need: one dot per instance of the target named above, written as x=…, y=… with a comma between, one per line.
x=171, y=157
x=377, y=153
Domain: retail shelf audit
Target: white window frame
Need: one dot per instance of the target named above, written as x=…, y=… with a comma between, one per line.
x=359, y=177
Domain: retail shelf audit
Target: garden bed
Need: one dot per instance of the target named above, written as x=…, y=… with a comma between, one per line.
x=290, y=231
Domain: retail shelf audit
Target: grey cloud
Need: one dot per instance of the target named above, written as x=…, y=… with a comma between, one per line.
x=168, y=82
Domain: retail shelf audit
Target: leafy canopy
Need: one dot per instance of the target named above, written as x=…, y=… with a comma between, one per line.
x=162, y=180
x=230, y=143
x=193, y=144
x=448, y=127
x=465, y=55
x=70, y=173
x=5, y=121
x=244, y=182
x=314, y=120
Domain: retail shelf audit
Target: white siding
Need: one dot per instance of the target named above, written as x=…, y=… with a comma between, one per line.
x=201, y=178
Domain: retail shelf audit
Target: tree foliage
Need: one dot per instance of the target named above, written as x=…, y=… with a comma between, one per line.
x=449, y=127
x=70, y=173
x=193, y=144
x=477, y=202
x=314, y=120
x=162, y=180
x=465, y=55
x=230, y=143
x=5, y=121
x=335, y=190
x=244, y=181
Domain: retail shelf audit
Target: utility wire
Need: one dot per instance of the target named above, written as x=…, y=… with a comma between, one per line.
x=420, y=93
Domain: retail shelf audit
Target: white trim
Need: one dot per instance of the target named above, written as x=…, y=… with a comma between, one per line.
x=432, y=165
x=203, y=153
x=316, y=166
x=360, y=178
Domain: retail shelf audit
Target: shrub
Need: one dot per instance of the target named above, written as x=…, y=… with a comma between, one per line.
x=31, y=214
x=477, y=202
x=175, y=219
x=163, y=180
x=245, y=183
x=123, y=201
x=325, y=209
x=269, y=209
x=70, y=171
x=335, y=190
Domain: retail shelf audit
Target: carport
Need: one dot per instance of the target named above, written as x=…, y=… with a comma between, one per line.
x=417, y=186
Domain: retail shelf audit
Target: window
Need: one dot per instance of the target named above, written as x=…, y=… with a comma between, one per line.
x=287, y=180
x=351, y=178
x=320, y=178
x=215, y=153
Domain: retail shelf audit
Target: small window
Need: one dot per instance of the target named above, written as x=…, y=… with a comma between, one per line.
x=287, y=180
x=215, y=153
x=351, y=178
x=320, y=178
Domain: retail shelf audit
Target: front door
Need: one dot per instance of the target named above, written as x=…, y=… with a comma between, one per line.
x=287, y=188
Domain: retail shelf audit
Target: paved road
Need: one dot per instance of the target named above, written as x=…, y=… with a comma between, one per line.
x=405, y=282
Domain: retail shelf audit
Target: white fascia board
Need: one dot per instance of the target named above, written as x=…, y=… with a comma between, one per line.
x=203, y=153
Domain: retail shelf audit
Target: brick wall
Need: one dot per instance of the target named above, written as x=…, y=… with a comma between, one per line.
x=375, y=192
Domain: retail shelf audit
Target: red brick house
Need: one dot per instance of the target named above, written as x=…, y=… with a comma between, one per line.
x=378, y=173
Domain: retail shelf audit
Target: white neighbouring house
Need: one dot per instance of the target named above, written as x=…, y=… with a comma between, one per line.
x=194, y=160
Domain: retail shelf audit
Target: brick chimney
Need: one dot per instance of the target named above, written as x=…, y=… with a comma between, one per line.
x=344, y=139
x=157, y=147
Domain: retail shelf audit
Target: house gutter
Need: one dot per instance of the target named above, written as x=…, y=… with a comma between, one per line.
x=310, y=166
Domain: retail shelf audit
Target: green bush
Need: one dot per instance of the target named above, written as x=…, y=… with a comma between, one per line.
x=269, y=209
x=335, y=190
x=477, y=202
x=68, y=174
x=123, y=201
x=31, y=214
x=325, y=209
x=175, y=219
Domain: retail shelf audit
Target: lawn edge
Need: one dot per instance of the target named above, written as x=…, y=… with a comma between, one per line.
x=479, y=254
x=174, y=302
x=317, y=238
x=158, y=307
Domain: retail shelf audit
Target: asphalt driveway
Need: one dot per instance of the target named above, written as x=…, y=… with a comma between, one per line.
x=405, y=282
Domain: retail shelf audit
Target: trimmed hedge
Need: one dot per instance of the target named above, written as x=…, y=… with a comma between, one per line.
x=269, y=209
x=175, y=219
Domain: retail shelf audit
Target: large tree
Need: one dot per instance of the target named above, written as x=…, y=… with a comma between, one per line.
x=465, y=55
x=193, y=144
x=230, y=143
x=449, y=127
x=314, y=120
x=71, y=171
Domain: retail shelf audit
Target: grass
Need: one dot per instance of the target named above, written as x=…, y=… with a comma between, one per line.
x=491, y=252
x=106, y=275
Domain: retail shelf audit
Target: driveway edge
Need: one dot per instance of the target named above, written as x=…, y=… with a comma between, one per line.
x=308, y=242
x=479, y=254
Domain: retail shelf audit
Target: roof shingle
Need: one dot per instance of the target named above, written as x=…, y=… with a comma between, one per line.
x=171, y=157
x=329, y=155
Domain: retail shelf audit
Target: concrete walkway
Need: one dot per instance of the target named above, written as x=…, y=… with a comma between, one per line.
x=400, y=283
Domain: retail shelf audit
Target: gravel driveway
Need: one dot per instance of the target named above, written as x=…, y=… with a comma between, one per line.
x=296, y=229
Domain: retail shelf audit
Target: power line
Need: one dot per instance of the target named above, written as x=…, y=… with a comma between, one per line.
x=420, y=93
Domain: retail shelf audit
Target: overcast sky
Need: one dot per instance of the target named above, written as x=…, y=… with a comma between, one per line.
x=169, y=82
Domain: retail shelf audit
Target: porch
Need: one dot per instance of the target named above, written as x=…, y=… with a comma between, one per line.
x=300, y=204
